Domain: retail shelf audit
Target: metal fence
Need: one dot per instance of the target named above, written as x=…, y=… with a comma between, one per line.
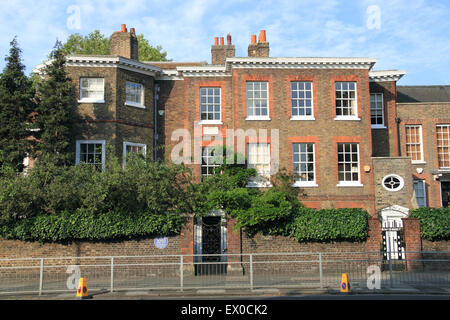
x=237, y=271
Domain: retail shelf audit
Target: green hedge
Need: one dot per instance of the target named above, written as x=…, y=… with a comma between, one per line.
x=435, y=223
x=330, y=225
x=83, y=225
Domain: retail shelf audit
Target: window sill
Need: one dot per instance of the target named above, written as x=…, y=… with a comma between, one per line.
x=418, y=162
x=90, y=101
x=355, y=184
x=259, y=185
x=345, y=118
x=305, y=185
x=258, y=118
x=136, y=105
x=378, y=127
x=306, y=118
x=207, y=122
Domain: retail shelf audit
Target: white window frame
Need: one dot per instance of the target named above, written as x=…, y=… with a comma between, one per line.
x=352, y=183
x=260, y=181
x=440, y=154
x=133, y=103
x=422, y=185
x=376, y=96
x=132, y=144
x=400, y=179
x=256, y=117
x=354, y=117
x=78, y=149
x=214, y=121
x=91, y=100
x=421, y=160
x=304, y=117
x=206, y=154
x=300, y=183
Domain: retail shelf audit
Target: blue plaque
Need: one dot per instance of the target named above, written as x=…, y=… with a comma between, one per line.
x=161, y=242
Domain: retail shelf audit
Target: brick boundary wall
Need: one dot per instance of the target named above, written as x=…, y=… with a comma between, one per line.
x=413, y=243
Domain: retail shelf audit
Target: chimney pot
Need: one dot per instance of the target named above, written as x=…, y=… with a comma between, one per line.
x=253, y=41
x=221, y=41
x=124, y=28
x=216, y=41
x=229, y=39
x=262, y=36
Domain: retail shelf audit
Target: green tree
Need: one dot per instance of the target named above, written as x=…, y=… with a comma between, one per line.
x=54, y=118
x=16, y=104
x=97, y=43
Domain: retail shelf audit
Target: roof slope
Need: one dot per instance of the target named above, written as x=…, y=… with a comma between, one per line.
x=415, y=94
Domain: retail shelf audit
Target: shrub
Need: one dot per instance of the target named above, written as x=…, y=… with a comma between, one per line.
x=434, y=223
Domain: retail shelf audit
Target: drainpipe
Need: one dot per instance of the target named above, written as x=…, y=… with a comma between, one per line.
x=398, y=120
x=155, y=122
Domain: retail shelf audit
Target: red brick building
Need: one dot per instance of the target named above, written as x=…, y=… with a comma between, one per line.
x=349, y=136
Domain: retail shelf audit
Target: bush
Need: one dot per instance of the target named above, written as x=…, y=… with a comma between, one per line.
x=434, y=223
x=331, y=225
x=84, y=225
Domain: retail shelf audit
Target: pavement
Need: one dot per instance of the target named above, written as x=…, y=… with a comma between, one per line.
x=421, y=292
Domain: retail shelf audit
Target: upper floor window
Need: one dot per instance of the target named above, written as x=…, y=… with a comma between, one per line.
x=259, y=159
x=348, y=164
x=414, y=148
x=92, y=90
x=443, y=145
x=346, y=106
x=91, y=152
x=135, y=95
x=210, y=107
x=301, y=100
x=304, y=167
x=376, y=110
x=257, y=100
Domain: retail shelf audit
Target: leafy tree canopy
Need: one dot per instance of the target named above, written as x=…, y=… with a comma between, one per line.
x=97, y=43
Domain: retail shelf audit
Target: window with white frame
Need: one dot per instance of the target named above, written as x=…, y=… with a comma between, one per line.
x=348, y=164
x=346, y=106
x=210, y=107
x=259, y=159
x=414, y=148
x=92, y=90
x=376, y=110
x=209, y=161
x=421, y=192
x=134, y=94
x=131, y=149
x=303, y=161
x=393, y=182
x=443, y=145
x=257, y=100
x=301, y=100
x=91, y=152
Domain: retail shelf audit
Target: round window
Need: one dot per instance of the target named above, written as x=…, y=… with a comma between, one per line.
x=393, y=182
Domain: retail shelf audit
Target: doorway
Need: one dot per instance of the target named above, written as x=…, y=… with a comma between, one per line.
x=445, y=192
x=210, y=245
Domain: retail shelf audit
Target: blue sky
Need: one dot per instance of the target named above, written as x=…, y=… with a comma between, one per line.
x=411, y=35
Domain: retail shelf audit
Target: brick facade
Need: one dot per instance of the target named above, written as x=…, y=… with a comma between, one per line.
x=174, y=88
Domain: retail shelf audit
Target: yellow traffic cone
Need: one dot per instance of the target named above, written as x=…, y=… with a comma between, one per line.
x=345, y=284
x=82, y=291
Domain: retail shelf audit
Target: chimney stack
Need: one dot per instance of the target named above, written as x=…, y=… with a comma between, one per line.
x=220, y=52
x=260, y=49
x=124, y=43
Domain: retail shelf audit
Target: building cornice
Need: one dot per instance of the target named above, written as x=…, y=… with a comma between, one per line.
x=386, y=75
x=302, y=63
x=104, y=61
